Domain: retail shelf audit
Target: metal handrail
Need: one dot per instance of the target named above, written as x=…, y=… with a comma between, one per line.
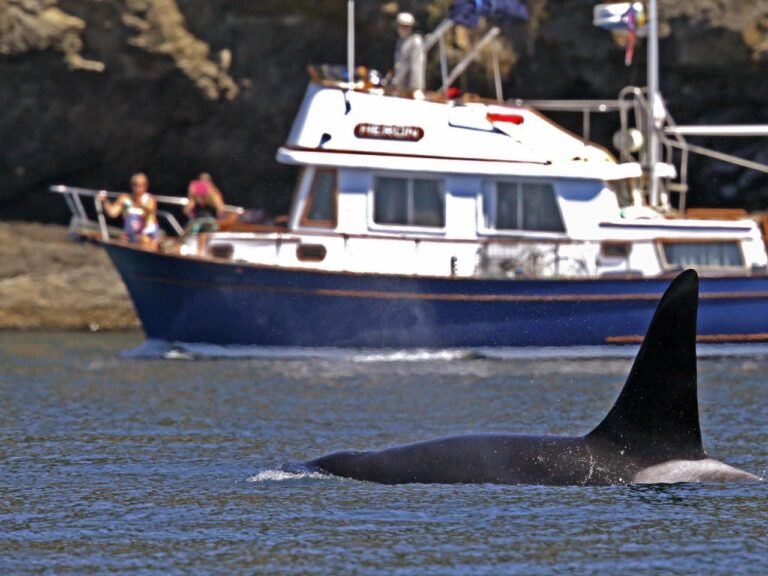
x=74, y=195
x=632, y=101
x=743, y=130
x=102, y=220
x=731, y=159
x=586, y=107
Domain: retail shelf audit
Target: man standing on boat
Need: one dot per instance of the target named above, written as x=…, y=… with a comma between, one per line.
x=409, y=57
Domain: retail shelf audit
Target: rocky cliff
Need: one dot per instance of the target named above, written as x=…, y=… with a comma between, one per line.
x=94, y=90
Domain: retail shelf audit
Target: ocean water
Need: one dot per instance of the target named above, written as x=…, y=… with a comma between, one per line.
x=129, y=463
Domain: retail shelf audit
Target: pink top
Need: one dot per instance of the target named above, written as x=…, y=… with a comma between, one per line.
x=199, y=188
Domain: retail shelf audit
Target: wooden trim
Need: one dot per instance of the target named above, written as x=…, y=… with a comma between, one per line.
x=442, y=297
x=305, y=220
x=419, y=156
x=236, y=227
x=716, y=213
x=699, y=241
x=703, y=338
x=765, y=230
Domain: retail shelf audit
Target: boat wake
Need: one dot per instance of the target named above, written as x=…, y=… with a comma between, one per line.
x=159, y=349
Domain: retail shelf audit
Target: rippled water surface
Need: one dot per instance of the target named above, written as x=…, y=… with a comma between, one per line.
x=132, y=465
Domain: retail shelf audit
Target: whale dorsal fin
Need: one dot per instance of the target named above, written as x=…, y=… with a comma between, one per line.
x=657, y=413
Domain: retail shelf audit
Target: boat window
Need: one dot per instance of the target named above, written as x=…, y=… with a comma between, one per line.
x=507, y=207
x=409, y=201
x=428, y=207
x=703, y=254
x=311, y=252
x=615, y=249
x=521, y=206
x=321, y=202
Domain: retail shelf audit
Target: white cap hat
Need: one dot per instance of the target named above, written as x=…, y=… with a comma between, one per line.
x=406, y=19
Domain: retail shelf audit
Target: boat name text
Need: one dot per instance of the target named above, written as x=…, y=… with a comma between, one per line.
x=389, y=132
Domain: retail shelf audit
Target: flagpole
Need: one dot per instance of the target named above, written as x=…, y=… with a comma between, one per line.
x=351, y=41
x=653, y=104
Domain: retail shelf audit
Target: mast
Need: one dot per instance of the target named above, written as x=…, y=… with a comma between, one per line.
x=654, y=104
x=351, y=41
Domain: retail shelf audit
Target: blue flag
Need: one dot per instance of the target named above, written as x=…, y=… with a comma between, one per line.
x=468, y=12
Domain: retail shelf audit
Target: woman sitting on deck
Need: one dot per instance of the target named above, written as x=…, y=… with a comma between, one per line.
x=204, y=202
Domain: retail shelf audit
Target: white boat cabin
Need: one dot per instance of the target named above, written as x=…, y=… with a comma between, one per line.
x=470, y=188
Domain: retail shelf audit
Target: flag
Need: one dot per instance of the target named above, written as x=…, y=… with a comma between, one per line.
x=468, y=12
x=630, y=20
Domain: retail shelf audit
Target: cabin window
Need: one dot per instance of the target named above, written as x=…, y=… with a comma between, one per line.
x=521, y=206
x=703, y=254
x=616, y=250
x=409, y=202
x=321, y=201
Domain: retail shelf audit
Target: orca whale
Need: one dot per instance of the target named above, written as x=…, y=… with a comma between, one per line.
x=651, y=435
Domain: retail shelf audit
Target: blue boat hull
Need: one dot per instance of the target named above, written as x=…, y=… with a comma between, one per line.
x=201, y=301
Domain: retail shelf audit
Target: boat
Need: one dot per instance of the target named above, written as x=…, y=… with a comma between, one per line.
x=442, y=220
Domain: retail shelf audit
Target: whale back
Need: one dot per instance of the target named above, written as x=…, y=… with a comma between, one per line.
x=656, y=416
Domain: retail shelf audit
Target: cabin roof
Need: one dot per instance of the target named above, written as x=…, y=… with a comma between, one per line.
x=372, y=129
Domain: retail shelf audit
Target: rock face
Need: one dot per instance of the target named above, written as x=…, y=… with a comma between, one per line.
x=94, y=90
x=27, y=25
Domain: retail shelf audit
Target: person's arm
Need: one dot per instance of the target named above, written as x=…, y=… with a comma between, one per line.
x=113, y=209
x=217, y=200
x=190, y=207
x=150, y=207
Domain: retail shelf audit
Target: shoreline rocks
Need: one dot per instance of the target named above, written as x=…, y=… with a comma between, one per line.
x=50, y=282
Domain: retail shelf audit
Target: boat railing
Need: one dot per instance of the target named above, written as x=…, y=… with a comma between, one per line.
x=633, y=148
x=529, y=259
x=83, y=224
x=631, y=139
x=91, y=222
x=678, y=132
x=673, y=139
x=584, y=107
